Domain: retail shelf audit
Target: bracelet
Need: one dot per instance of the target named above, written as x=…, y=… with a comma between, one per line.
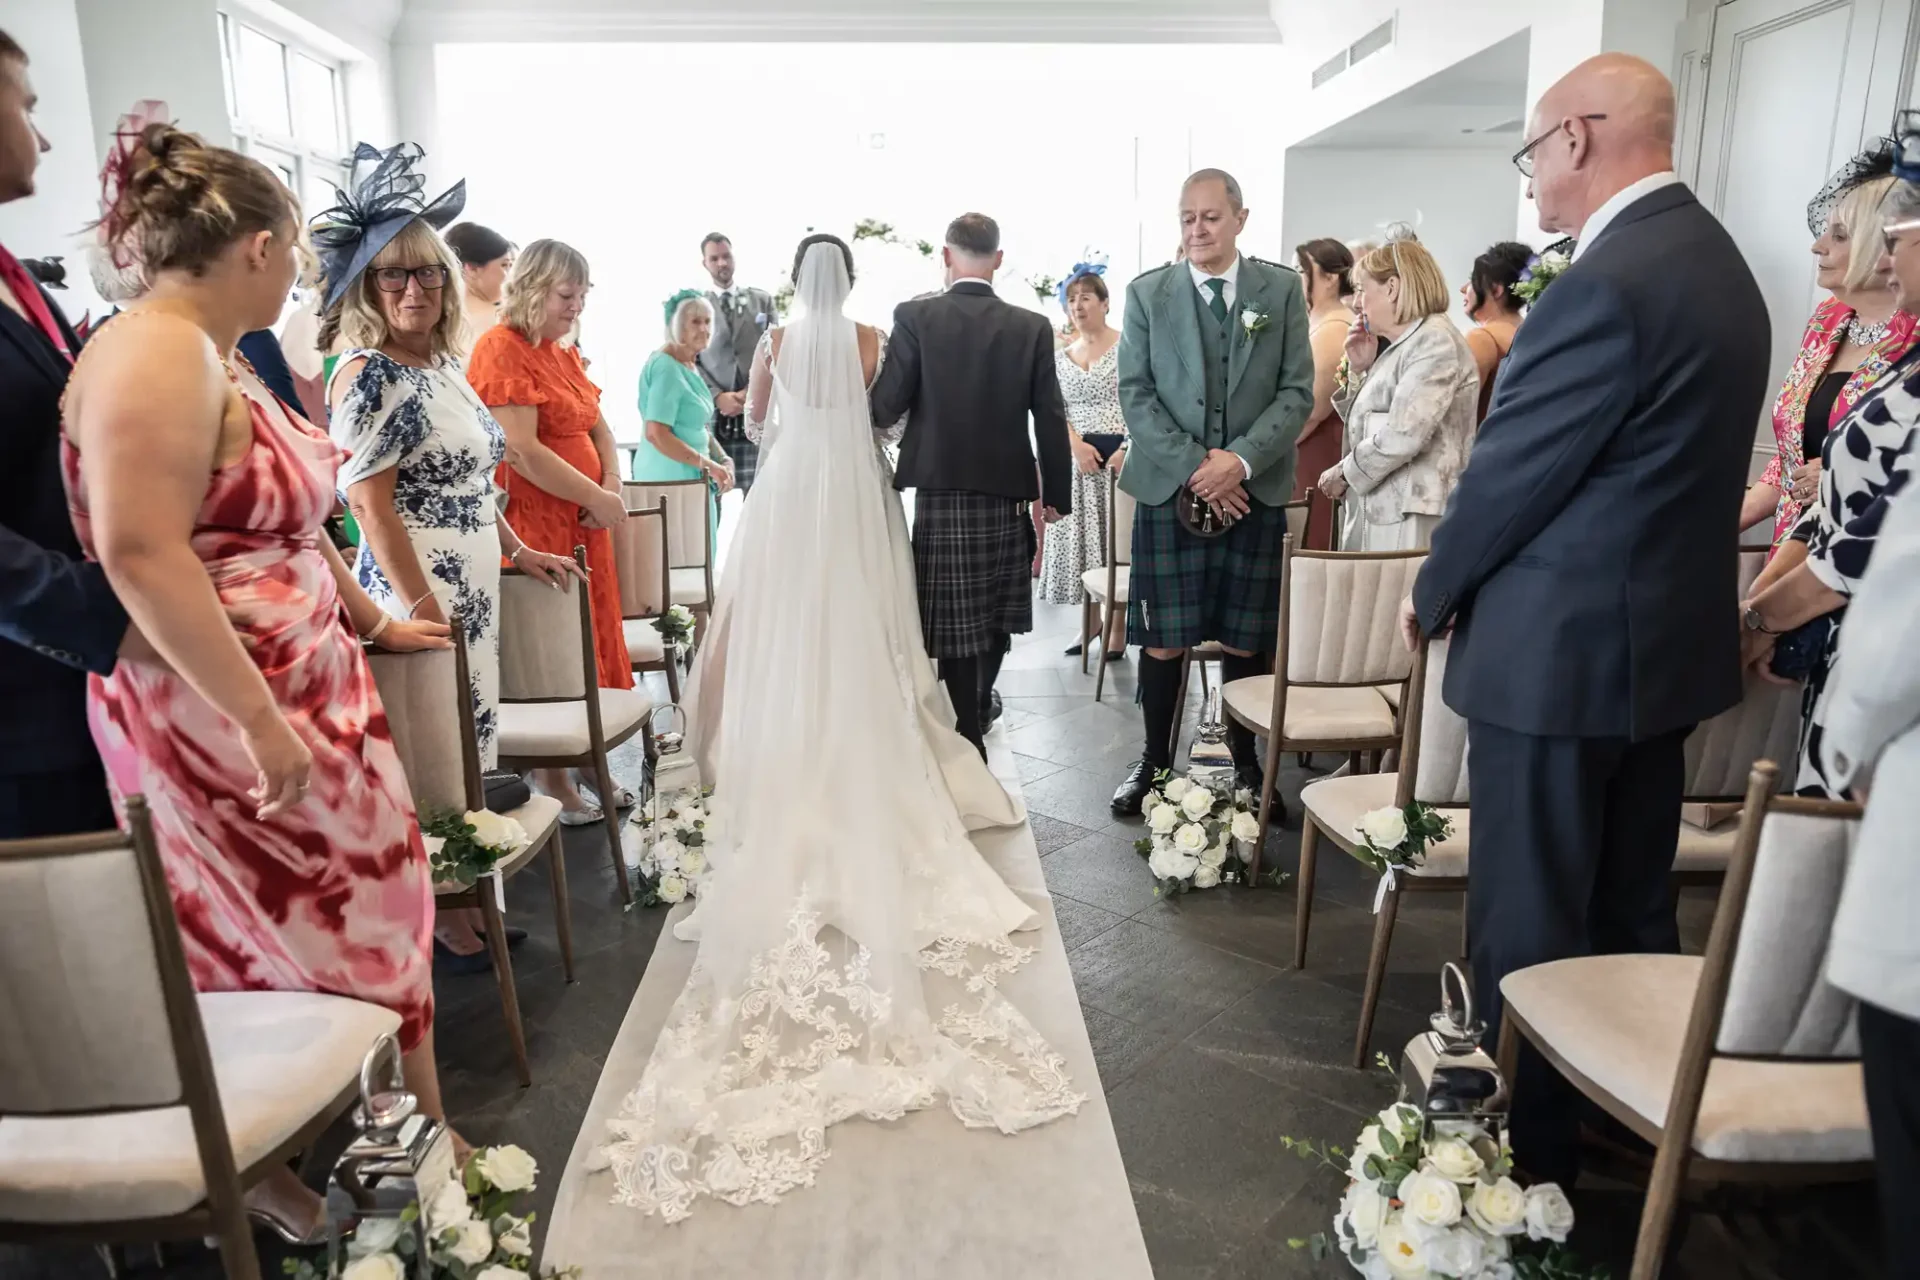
x=513, y=556
x=424, y=597
x=374, y=632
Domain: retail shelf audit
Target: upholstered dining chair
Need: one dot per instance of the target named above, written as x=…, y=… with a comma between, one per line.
x=1739, y=1065
x=689, y=539
x=1339, y=637
x=643, y=557
x=1201, y=654
x=1106, y=589
x=132, y=1108
x=553, y=713
x=430, y=715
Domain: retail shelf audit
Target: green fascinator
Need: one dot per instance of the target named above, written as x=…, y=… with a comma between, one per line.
x=673, y=303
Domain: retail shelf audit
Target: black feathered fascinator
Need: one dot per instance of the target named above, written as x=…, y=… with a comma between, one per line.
x=385, y=197
x=1877, y=161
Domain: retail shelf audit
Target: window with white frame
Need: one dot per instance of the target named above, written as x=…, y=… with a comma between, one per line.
x=288, y=105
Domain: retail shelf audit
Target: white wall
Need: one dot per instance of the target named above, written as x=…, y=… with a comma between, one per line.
x=165, y=49
x=67, y=183
x=1458, y=200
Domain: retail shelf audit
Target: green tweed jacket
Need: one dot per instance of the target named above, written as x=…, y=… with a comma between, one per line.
x=1269, y=389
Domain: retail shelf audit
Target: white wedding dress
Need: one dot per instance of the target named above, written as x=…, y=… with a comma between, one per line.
x=851, y=937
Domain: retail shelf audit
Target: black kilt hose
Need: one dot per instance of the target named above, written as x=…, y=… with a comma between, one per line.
x=1186, y=591
x=973, y=564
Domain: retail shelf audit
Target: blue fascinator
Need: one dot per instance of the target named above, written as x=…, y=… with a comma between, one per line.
x=1096, y=265
x=383, y=195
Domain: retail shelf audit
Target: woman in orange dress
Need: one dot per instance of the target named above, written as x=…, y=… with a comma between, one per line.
x=561, y=475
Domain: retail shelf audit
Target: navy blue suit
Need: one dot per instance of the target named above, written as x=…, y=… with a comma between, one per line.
x=1588, y=560
x=58, y=616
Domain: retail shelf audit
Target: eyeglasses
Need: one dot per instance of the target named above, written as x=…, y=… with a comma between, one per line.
x=1523, y=158
x=394, y=279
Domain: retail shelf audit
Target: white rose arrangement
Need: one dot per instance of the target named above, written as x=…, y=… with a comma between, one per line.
x=468, y=1223
x=462, y=847
x=672, y=854
x=1393, y=840
x=1540, y=272
x=1198, y=835
x=675, y=627
x=1440, y=1200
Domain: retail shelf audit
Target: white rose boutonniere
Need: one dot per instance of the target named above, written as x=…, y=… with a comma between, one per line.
x=1253, y=320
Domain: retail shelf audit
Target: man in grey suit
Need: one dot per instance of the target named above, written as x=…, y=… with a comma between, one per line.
x=1587, y=561
x=740, y=316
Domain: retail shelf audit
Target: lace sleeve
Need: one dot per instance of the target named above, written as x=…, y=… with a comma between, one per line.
x=888, y=433
x=760, y=388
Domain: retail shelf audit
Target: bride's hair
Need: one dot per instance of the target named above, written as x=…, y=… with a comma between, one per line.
x=800, y=254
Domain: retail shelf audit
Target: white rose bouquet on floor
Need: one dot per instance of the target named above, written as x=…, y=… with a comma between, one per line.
x=673, y=847
x=1441, y=1200
x=1197, y=836
x=462, y=847
x=675, y=627
x=471, y=1229
x=1393, y=840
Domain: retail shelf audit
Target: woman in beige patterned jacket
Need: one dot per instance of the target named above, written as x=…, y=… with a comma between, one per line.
x=1409, y=410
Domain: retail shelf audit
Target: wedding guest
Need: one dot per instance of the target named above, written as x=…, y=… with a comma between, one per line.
x=281, y=813
x=677, y=407
x=1089, y=373
x=1869, y=464
x=1408, y=410
x=739, y=316
x=1588, y=559
x=59, y=617
x=1495, y=312
x=1872, y=752
x=1326, y=272
x=1851, y=342
x=562, y=475
x=486, y=259
x=422, y=450
x=1226, y=437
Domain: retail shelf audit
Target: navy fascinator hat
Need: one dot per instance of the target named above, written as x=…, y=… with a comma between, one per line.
x=384, y=197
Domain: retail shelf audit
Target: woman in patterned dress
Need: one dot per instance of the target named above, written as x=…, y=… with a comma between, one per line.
x=422, y=451
x=1868, y=462
x=281, y=812
x=1089, y=370
x=562, y=475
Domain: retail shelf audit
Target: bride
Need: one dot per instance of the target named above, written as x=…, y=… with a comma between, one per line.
x=851, y=938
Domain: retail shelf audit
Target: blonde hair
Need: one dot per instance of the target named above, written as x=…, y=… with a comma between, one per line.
x=1860, y=211
x=364, y=324
x=1423, y=290
x=681, y=312
x=540, y=268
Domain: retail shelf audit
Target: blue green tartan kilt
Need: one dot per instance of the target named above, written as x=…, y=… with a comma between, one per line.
x=1185, y=591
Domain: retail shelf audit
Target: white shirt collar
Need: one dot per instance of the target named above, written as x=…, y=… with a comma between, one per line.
x=1231, y=275
x=1603, y=216
x=979, y=280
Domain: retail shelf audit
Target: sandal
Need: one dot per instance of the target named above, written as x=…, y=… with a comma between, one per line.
x=585, y=816
x=622, y=798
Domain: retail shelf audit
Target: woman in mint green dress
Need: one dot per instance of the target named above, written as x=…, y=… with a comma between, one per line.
x=676, y=405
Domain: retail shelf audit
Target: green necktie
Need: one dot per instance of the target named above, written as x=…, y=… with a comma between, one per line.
x=1218, y=303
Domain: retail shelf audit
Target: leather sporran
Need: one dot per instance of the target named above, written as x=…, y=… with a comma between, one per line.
x=1198, y=516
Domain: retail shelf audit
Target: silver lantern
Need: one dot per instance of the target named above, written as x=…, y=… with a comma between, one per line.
x=1445, y=1072
x=398, y=1160
x=1218, y=775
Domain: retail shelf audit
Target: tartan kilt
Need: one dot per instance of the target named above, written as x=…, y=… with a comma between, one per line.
x=732, y=435
x=973, y=565
x=1185, y=591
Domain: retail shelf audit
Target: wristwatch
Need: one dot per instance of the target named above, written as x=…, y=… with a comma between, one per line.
x=1754, y=622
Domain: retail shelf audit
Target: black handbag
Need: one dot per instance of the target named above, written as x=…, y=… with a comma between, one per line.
x=1197, y=516
x=506, y=790
x=1797, y=652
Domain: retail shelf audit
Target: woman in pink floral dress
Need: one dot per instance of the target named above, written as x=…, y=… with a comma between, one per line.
x=281, y=811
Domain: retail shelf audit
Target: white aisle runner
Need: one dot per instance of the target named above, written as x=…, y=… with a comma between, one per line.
x=921, y=1199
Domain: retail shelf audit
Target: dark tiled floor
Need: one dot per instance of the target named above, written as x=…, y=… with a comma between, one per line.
x=1211, y=1046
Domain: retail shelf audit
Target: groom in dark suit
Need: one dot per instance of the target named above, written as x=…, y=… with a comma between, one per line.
x=1587, y=561
x=972, y=369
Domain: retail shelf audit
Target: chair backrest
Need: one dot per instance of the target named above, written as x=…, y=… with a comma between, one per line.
x=642, y=555
x=1340, y=616
x=544, y=634
x=430, y=715
x=1120, y=509
x=1433, y=755
x=99, y=1013
x=689, y=530
x=1721, y=752
x=1297, y=521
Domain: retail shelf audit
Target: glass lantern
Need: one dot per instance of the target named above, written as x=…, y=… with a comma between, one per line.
x=399, y=1158
x=1445, y=1072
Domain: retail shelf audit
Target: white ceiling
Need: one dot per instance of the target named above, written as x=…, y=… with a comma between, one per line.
x=1460, y=108
x=1022, y=21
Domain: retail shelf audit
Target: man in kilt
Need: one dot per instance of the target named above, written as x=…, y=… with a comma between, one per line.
x=1216, y=380
x=741, y=316
x=967, y=370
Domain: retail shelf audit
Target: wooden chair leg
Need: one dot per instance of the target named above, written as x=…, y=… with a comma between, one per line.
x=496, y=930
x=1465, y=951
x=1506, y=1054
x=239, y=1259
x=1086, y=622
x=562, y=908
x=1100, y=679
x=1303, y=907
x=1305, y=759
x=1269, y=780
x=1376, y=974
x=1657, y=1212
x=603, y=778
